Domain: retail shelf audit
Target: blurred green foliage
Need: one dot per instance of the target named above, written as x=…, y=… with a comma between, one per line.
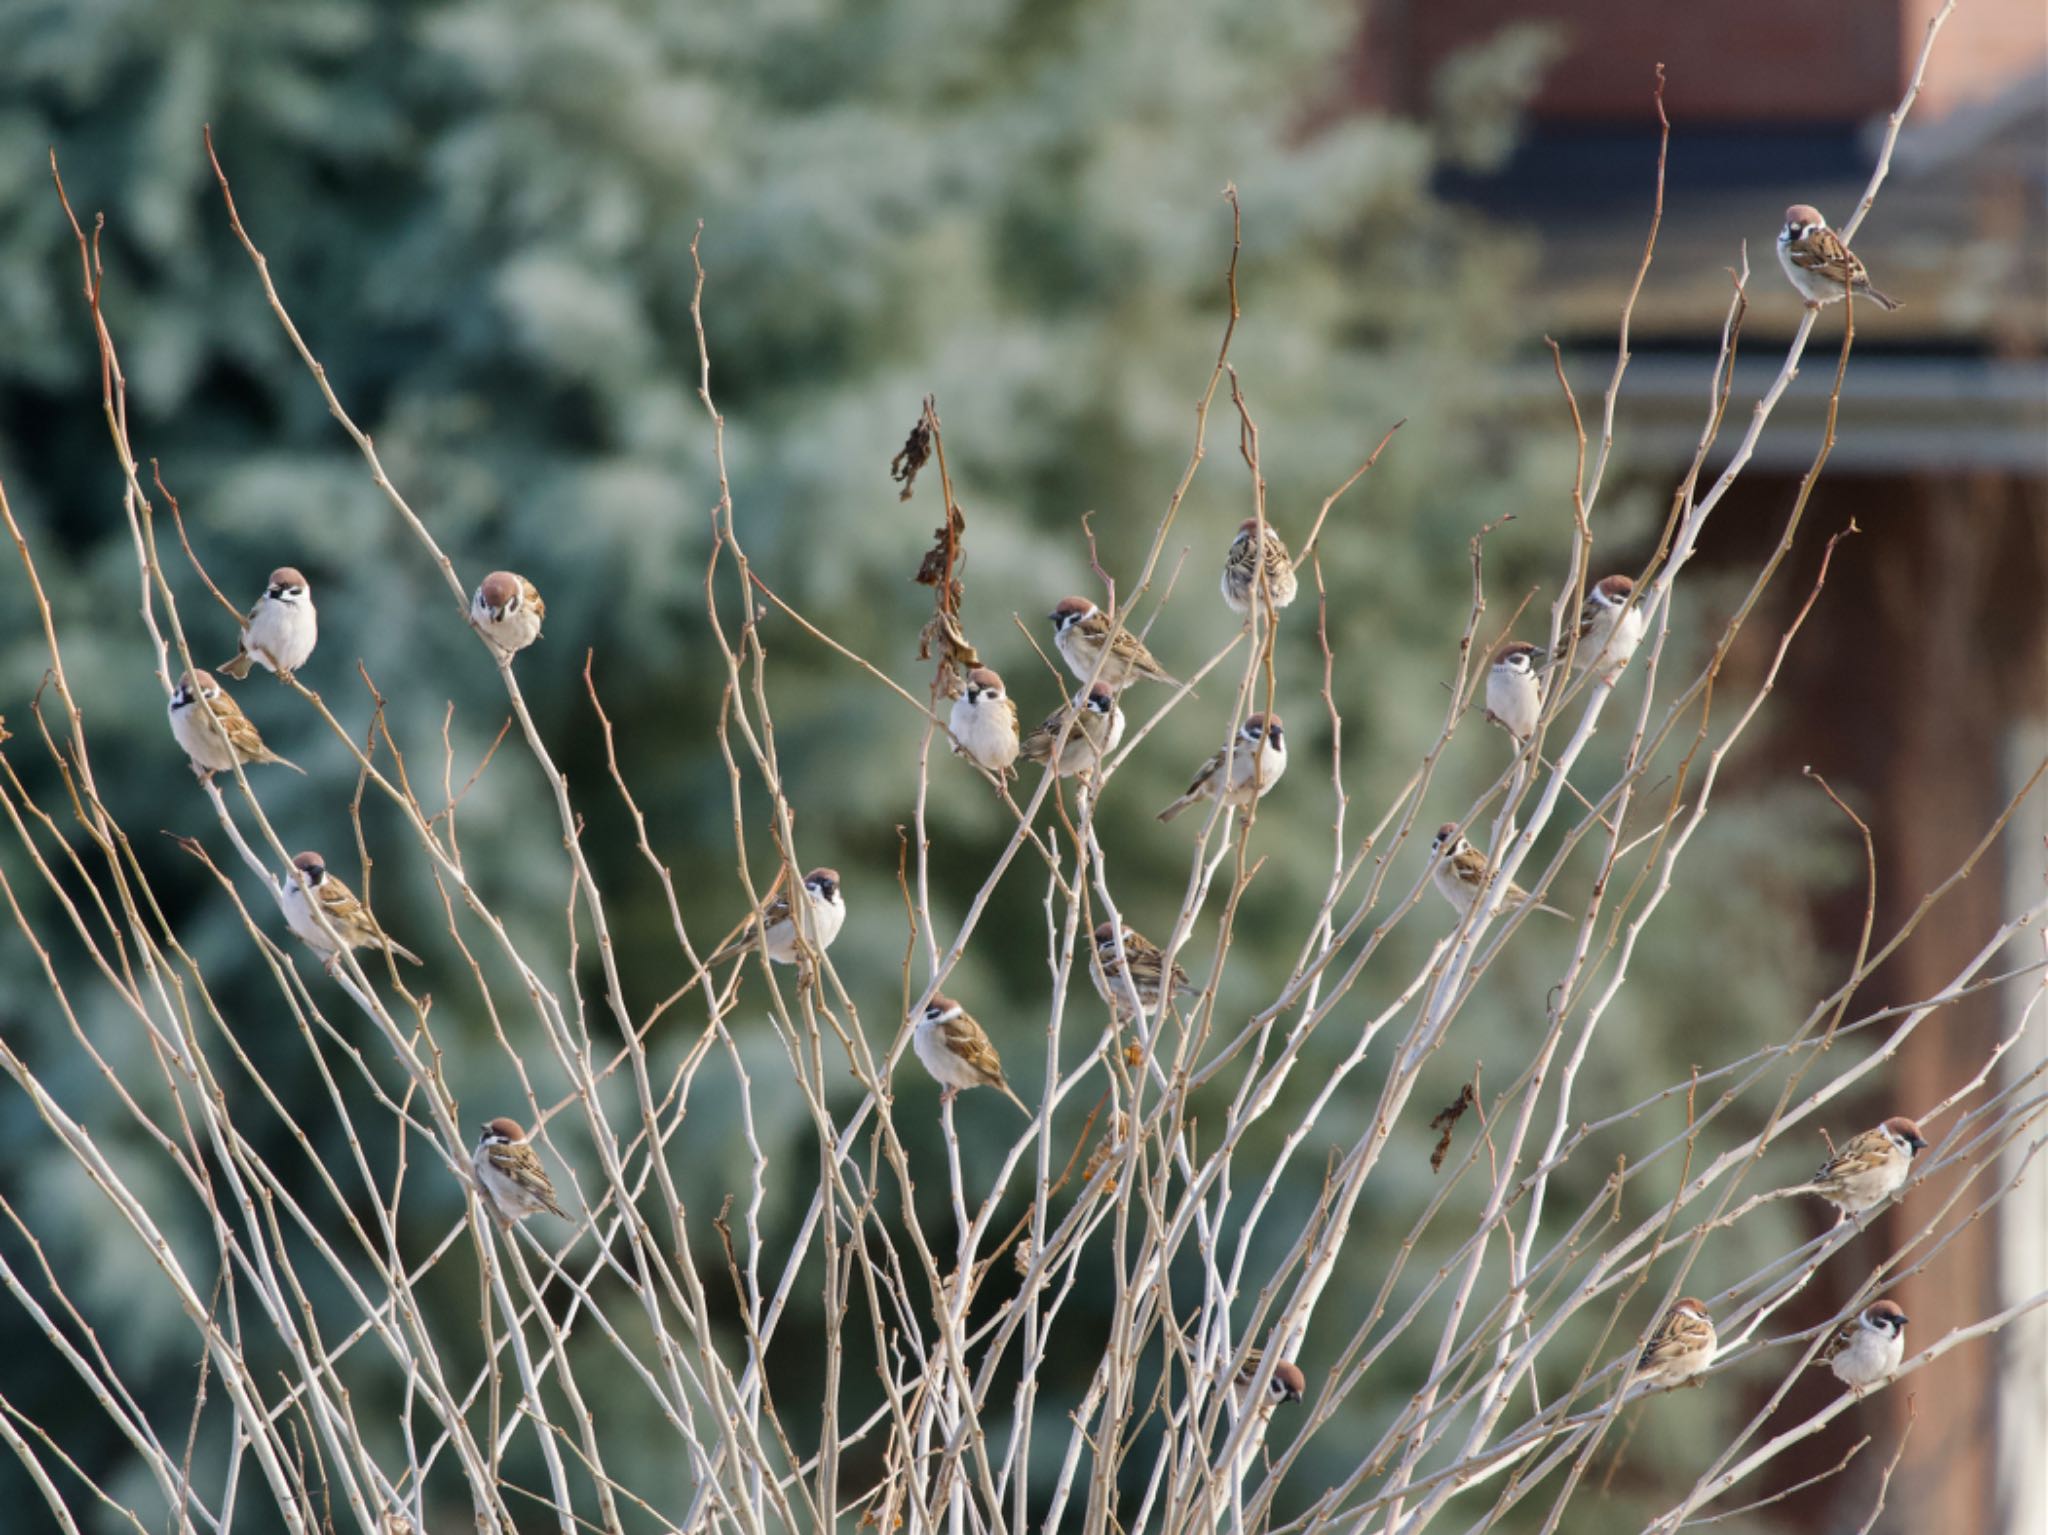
x=481, y=217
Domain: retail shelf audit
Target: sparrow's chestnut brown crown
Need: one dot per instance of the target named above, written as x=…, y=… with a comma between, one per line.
x=192, y=685
x=1907, y=1131
x=1614, y=589
x=500, y=592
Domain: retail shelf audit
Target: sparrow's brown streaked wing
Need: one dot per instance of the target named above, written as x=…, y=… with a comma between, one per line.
x=1205, y=776
x=349, y=917
x=969, y=1041
x=1038, y=745
x=1682, y=1333
x=1859, y=1153
x=1470, y=867
x=520, y=1164
x=1838, y=1340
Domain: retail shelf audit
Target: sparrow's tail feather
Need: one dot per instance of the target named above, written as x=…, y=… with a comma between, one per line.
x=237, y=668
x=285, y=762
x=402, y=951
x=1178, y=806
x=1007, y=1093
x=1882, y=300
x=1555, y=911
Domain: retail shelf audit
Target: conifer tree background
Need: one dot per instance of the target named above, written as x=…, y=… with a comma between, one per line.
x=482, y=215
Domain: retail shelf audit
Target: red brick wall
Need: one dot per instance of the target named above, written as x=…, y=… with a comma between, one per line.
x=1756, y=61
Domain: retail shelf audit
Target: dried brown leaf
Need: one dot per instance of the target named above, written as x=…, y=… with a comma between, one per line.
x=1446, y=1121
x=913, y=456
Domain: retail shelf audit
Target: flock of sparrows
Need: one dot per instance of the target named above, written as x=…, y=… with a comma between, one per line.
x=1866, y=1350
x=1130, y=972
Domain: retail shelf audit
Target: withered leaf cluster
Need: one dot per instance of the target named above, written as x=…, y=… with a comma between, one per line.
x=1446, y=1121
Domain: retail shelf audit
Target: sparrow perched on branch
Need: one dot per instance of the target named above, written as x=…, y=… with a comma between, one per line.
x=1514, y=695
x=1681, y=1347
x=1081, y=631
x=1095, y=734
x=1820, y=265
x=1867, y=1351
x=281, y=630
x=1287, y=1385
x=1462, y=873
x=508, y=1170
x=774, y=927
x=508, y=609
x=214, y=731
x=1126, y=991
x=1610, y=627
x=309, y=887
x=1870, y=1167
x=956, y=1051
x=984, y=722
x=1245, y=770
x=1241, y=568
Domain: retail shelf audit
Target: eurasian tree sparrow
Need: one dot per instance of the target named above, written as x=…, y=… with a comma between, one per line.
x=281, y=630
x=508, y=1170
x=1514, y=696
x=508, y=609
x=1257, y=756
x=1870, y=1167
x=984, y=722
x=1610, y=627
x=1241, y=568
x=1821, y=267
x=1094, y=736
x=1681, y=1347
x=1288, y=1384
x=214, y=731
x=1461, y=873
x=1868, y=1351
x=956, y=1051
x=310, y=884
x=827, y=916
x=1126, y=992
x=1081, y=630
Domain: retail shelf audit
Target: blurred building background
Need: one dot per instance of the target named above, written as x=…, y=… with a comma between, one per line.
x=481, y=211
x=1924, y=690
